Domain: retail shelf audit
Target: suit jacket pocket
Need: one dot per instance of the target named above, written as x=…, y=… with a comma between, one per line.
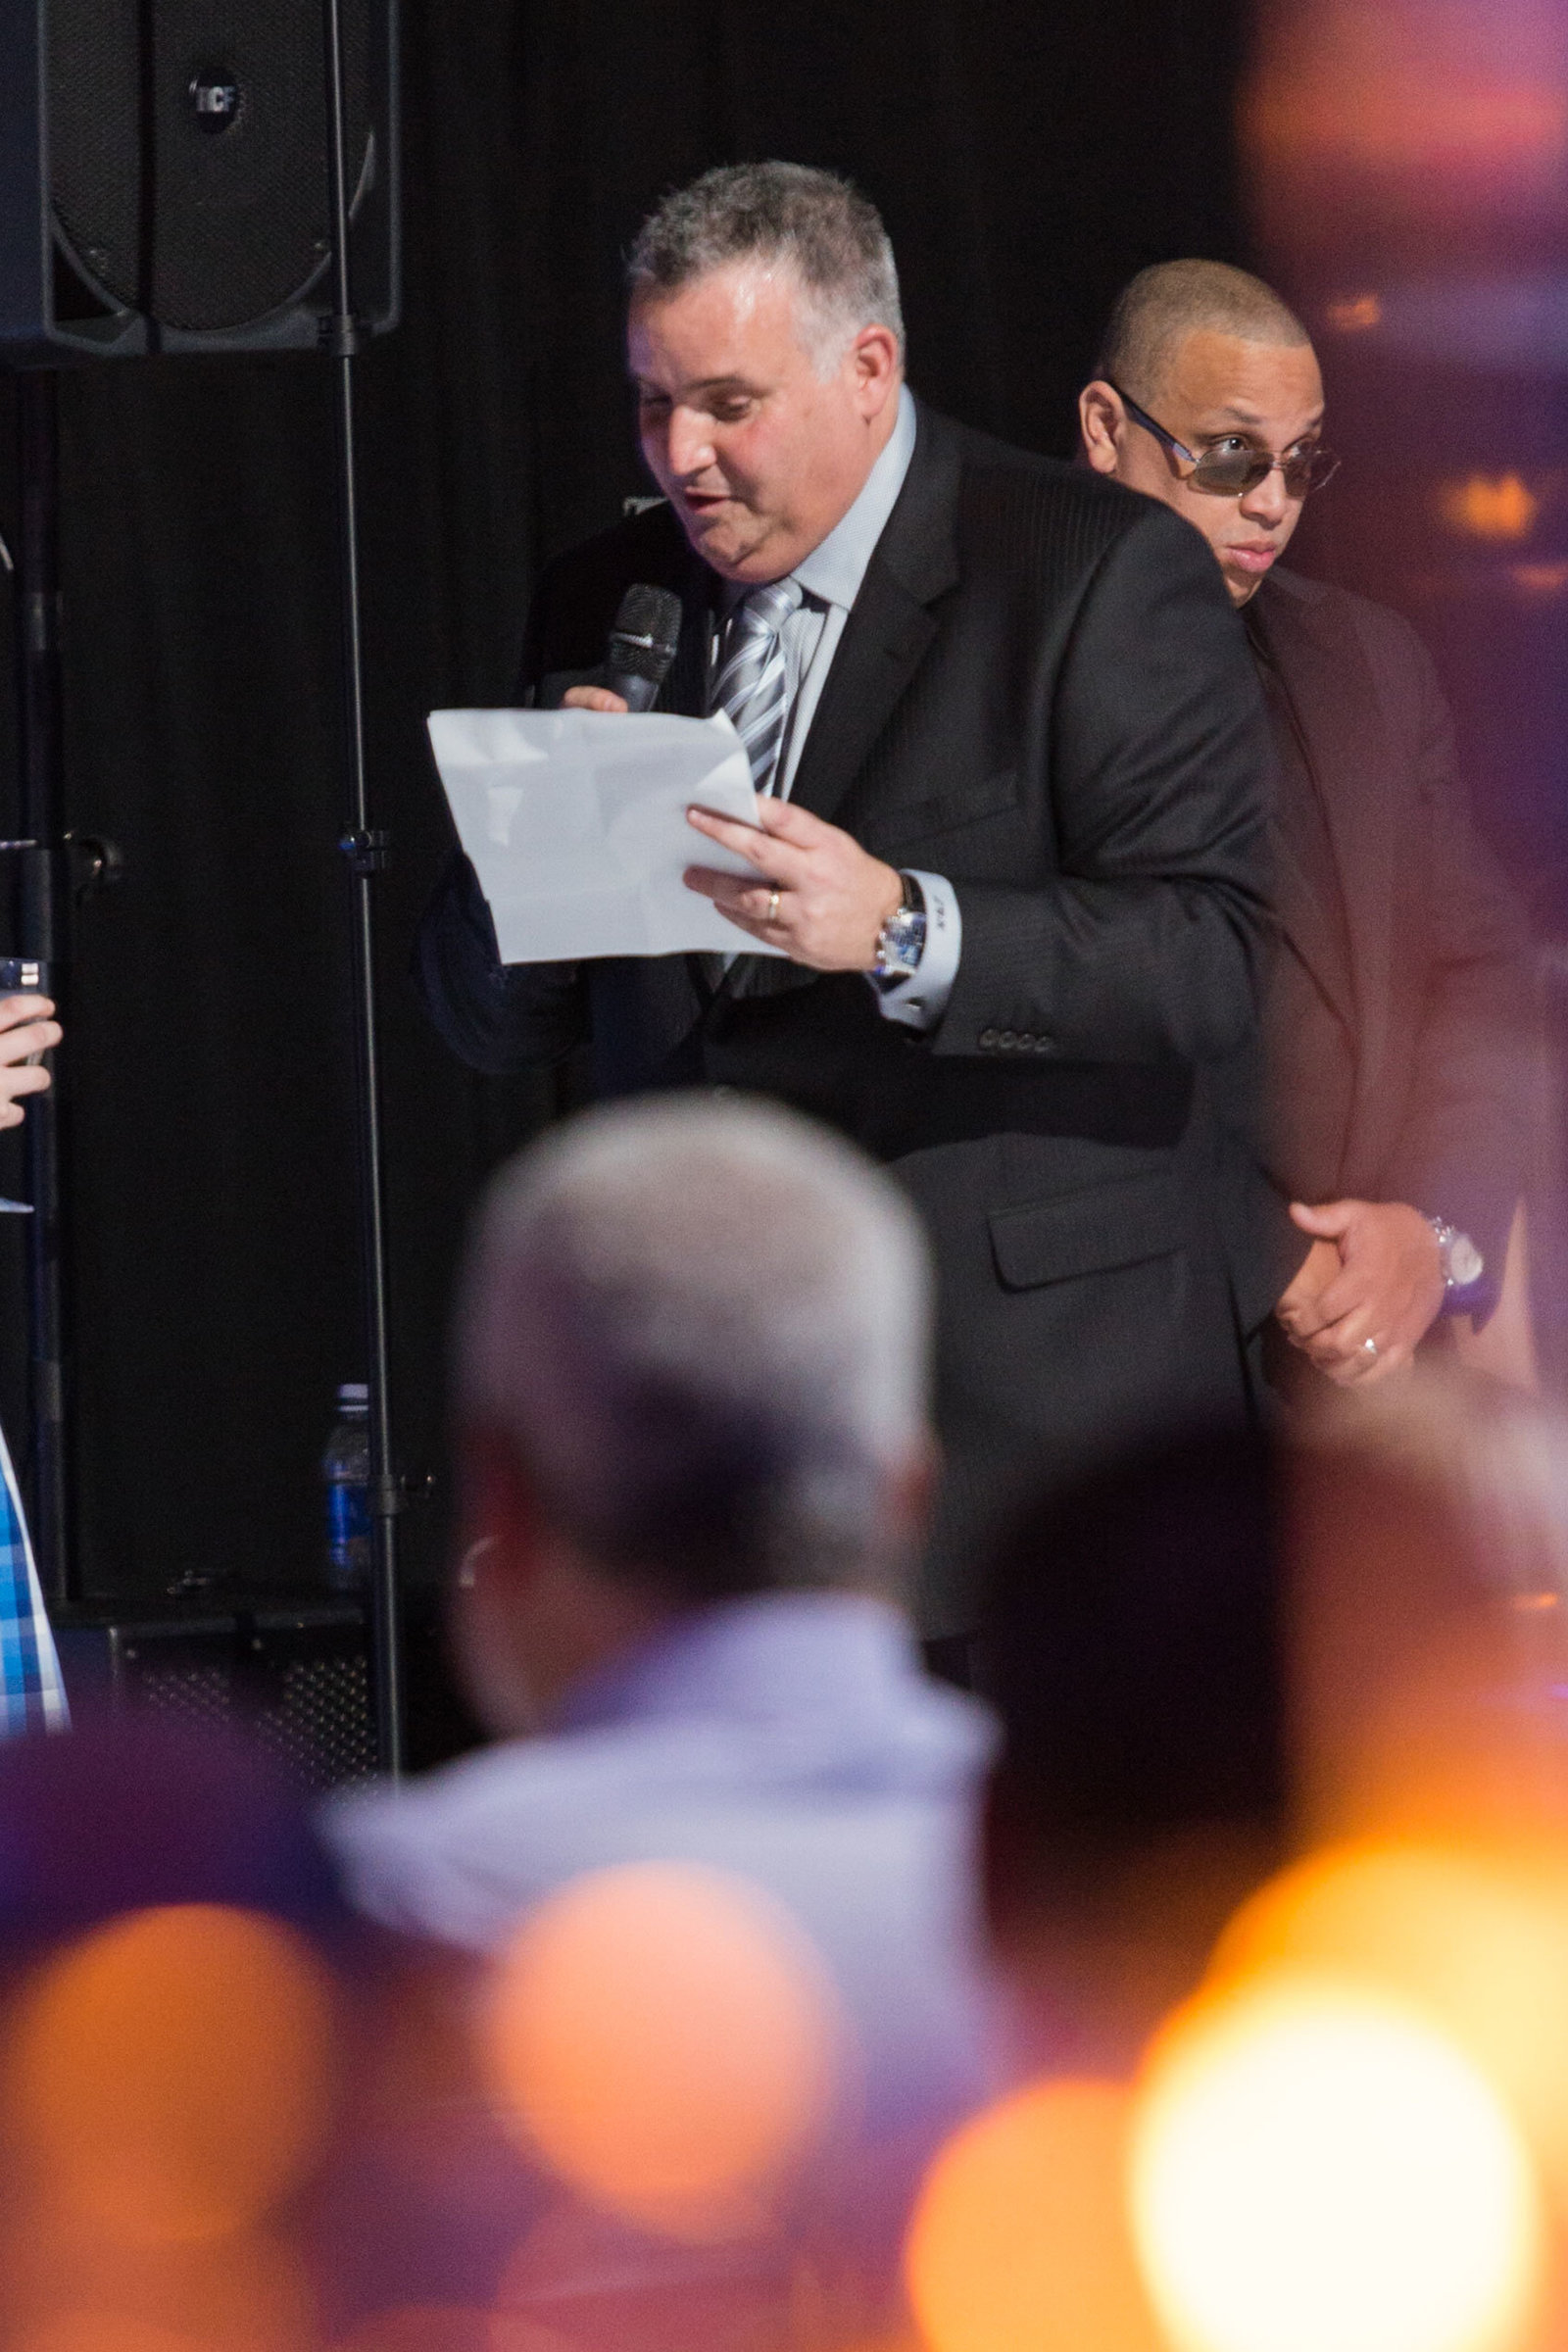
x=1089, y=1232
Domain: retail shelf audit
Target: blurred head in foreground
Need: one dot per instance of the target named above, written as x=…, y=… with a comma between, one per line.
x=691, y=1365
x=1430, y=1585
x=727, y=1994
x=1134, y=1654
x=1216, y=1645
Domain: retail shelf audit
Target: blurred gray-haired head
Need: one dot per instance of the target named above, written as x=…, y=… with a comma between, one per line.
x=705, y=1326
x=814, y=222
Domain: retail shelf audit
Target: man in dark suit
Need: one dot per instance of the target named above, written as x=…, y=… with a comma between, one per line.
x=1396, y=1014
x=1011, y=751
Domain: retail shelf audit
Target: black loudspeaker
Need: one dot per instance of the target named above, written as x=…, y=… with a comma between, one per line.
x=296, y=1678
x=164, y=175
x=292, y=1670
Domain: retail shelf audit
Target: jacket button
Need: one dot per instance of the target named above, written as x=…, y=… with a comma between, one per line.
x=989, y=1038
x=1008, y=1040
x=1044, y=1043
x=1027, y=1040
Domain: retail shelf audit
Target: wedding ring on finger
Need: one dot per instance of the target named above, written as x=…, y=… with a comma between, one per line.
x=772, y=904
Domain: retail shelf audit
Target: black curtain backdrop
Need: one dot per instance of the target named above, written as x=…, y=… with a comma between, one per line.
x=1027, y=159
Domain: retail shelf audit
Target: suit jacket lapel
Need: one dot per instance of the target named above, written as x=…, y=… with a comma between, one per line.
x=1332, y=689
x=1306, y=929
x=889, y=628
x=884, y=638
x=1330, y=723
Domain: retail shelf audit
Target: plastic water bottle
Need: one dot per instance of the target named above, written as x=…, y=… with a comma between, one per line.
x=346, y=1471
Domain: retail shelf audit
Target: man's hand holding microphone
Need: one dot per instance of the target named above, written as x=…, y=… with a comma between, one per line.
x=819, y=895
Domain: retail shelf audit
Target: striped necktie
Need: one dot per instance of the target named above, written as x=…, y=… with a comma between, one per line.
x=752, y=684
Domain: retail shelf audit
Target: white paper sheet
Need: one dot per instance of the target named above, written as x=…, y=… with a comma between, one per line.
x=576, y=822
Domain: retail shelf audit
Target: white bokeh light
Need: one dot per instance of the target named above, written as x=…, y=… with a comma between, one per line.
x=1316, y=2169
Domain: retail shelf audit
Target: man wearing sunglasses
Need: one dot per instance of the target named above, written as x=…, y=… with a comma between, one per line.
x=1397, y=1001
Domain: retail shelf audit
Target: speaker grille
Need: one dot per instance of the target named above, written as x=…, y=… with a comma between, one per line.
x=320, y=1721
x=302, y=1690
x=188, y=157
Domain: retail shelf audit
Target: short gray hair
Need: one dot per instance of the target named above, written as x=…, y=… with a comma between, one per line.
x=816, y=222
x=704, y=1325
x=1158, y=309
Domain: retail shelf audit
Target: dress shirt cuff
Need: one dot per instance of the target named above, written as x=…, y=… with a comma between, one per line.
x=919, y=999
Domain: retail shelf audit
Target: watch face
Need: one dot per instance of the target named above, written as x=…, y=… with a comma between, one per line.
x=903, y=941
x=1465, y=1261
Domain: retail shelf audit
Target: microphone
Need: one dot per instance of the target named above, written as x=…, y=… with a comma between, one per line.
x=642, y=645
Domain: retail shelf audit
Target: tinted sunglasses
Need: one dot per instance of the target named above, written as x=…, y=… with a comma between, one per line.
x=1231, y=473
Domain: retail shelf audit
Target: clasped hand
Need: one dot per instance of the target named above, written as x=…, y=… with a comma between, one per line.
x=1374, y=1272
x=818, y=896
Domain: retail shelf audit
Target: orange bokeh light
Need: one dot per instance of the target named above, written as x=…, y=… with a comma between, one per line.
x=70, y=2287
x=1355, y=313
x=1019, y=2242
x=1315, y=2168
x=1328, y=120
x=169, y=2076
x=1484, y=505
x=106, y=2331
x=1541, y=580
x=666, y=2040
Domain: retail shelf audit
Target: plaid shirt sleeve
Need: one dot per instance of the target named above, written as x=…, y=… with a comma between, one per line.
x=32, y=1696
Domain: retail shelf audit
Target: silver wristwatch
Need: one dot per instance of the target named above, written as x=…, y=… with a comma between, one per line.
x=901, y=942
x=1462, y=1261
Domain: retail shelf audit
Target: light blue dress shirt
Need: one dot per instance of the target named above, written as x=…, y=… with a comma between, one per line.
x=789, y=1737
x=830, y=580
x=792, y=1740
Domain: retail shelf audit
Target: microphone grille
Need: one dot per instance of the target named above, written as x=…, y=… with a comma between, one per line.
x=646, y=632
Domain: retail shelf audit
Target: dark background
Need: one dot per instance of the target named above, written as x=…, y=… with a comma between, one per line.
x=1027, y=159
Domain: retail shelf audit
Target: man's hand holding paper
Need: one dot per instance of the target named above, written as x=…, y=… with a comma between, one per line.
x=812, y=893
x=575, y=822
x=818, y=899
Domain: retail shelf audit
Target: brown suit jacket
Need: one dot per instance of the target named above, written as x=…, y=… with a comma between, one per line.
x=1397, y=1023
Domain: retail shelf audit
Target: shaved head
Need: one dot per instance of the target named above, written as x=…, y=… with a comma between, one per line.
x=1165, y=305
x=1200, y=357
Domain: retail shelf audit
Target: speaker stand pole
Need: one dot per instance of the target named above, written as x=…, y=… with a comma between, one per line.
x=41, y=938
x=366, y=852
